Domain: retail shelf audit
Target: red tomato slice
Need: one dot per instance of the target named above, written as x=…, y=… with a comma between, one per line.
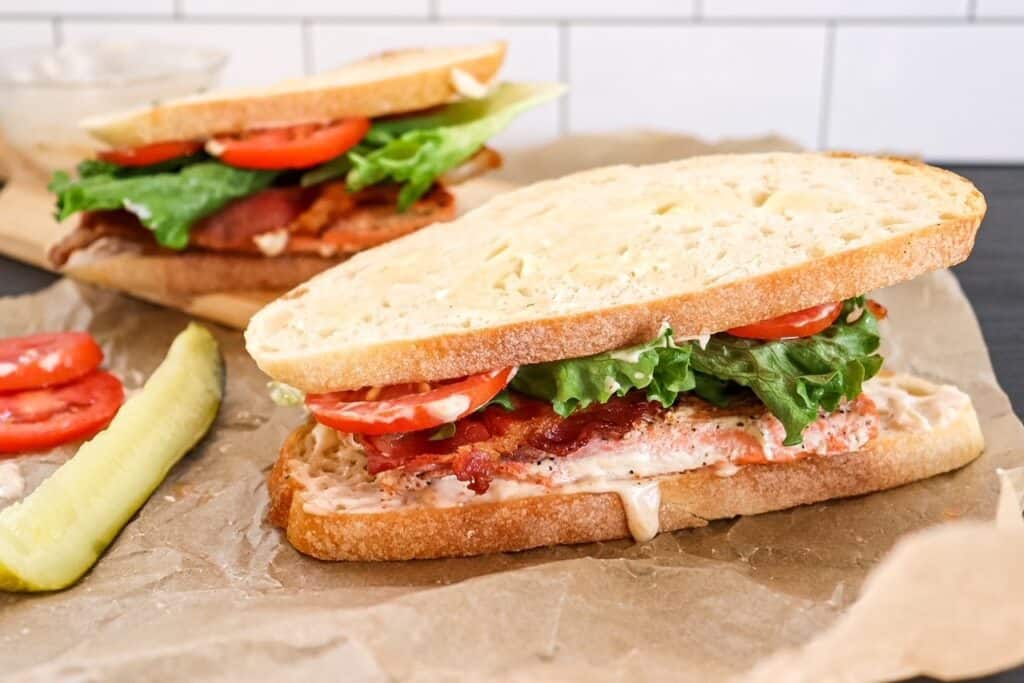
x=43, y=360
x=401, y=408
x=289, y=147
x=38, y=419
x=147, y=155
x=877, y=309
x=799, y=324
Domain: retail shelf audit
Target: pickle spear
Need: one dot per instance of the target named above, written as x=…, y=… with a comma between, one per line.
x=52, y=537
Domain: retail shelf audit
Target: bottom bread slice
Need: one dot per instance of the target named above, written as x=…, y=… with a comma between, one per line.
x=193, y=273
x=899, y=455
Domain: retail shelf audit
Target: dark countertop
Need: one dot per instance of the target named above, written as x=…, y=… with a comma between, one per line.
x=993, y=279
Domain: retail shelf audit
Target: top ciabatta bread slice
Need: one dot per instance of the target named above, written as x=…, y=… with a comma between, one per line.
x=601, y=259
x=390, y=83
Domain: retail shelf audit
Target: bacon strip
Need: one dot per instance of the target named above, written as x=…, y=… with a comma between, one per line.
x=495, y=440
x=234, y=227
x=96, y=225
x=371, y=223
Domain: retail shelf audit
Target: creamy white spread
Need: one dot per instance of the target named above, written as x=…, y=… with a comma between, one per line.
x=214, y=148
x=50, y=361
x=7, y=369
x=906, y=402
x=335, y=477
x=641, y=501
x=449, y=409
x=272, y=243
x=140, y=210
x=12, y=484
x=702, y=339
x=627, y=356
x=467, y=85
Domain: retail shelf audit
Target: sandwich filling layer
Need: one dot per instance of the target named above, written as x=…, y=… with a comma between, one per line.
x=623, y=455
x=328, y=189
x=761, y=395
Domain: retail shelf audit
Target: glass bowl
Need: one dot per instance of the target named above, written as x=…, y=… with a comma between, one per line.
x=44, y=92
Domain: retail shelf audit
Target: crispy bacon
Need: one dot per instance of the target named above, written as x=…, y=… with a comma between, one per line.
x=374, y=222
x=333, y=201
x=496, y=440
x=96, y=225
x=234, y=227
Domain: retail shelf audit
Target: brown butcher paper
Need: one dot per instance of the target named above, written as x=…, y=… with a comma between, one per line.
x=922, y=579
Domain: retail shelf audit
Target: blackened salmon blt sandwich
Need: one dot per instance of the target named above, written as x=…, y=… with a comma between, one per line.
x=618, y=352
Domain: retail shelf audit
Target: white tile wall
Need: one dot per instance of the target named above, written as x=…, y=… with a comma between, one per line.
x=532, y=56
x=1000, y=8
x=325, y=8
x=694, y=78
x=836, y=8
x=15, y=34
x=569, y=9
x=937, y=77
x=932, y=100
x=260, y=52
x=125, y=7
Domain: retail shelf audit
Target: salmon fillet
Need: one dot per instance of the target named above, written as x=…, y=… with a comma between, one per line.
x=532, y=443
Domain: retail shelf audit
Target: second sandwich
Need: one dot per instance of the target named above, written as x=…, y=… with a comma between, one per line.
x=259, y=189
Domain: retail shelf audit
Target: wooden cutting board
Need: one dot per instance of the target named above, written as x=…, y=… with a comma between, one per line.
x=28, y=228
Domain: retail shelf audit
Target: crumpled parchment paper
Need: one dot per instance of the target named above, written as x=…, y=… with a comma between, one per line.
x=916, y=580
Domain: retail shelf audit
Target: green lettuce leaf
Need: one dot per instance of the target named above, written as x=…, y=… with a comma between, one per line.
x=93, y=167
x=503, y=398
x=797, y=378
x=416, y=150
x=715, y=391
x=660, y=367
x=335, y=168
x=168, y=203
x=445, y=431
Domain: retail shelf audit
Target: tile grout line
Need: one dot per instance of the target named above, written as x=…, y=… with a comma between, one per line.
x=827, y=76
x=179, y=9
x=698, y=10
x=308, y=63
x=433, y=10
x=563, y=76
x=57, y=30
x=748, y=22
x=972, y=10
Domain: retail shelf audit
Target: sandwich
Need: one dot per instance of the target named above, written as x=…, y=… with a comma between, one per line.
x=619, y=352
x=261, y=189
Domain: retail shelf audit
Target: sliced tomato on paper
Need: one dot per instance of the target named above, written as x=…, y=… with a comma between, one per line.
x=38, y=419
x=48, y=359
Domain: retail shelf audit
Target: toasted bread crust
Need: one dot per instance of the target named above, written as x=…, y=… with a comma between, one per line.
x=391, y=83
x=458, y=352
x=688, y=500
